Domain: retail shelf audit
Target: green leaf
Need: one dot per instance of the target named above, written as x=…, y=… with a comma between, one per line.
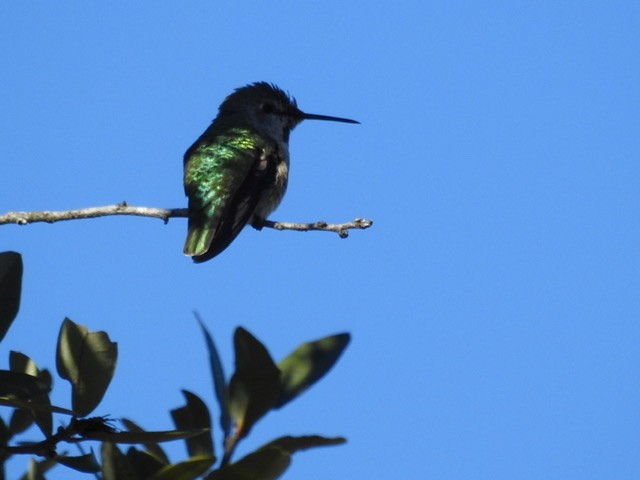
x=309, y=363
x=263, y=464
x=294, y=444
x=10, y=288
x=219, y=380
x=84, y=463
x=40, y=410
x=255, y=385
x=152, y=448
x=195, y=415
x=115, y=465
x=189, y=469
x=87, y=360
x=141, y=437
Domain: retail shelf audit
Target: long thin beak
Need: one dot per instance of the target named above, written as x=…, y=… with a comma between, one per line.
x=313, y=116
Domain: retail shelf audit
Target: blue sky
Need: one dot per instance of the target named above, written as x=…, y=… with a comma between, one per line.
x=494, y=305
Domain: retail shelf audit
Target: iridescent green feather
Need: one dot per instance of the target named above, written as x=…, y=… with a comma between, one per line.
x=212, y=174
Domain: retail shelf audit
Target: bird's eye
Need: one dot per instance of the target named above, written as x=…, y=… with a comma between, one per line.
x=268, y=107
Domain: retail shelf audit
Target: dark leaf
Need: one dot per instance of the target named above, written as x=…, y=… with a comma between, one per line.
x=40, y=410
x=263, y=464
x=271, y=460
x=219, y=380
x=21, y=419
x=190, y=469
x=4, y=432
x=37, y=469
x=308, y=364
x=144, y=463
x=115, y=465
x=255, y=385
x=87, y=360
x=194, y=415
x=85, y=463
x=10, y=288
x=152, y=448
x=20, y=385
x=17, y=403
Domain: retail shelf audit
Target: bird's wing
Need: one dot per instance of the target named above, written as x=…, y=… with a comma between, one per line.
x=224, y=184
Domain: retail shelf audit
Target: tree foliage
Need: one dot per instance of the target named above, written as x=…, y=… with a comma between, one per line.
x=87, y=360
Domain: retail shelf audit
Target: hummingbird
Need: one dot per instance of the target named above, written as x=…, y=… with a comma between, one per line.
x=236, y=172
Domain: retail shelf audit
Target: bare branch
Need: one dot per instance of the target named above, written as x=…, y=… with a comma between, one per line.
x=341, y=229
x=48, y=216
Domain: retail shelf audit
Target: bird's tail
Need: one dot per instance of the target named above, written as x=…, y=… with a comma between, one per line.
x=199, y=238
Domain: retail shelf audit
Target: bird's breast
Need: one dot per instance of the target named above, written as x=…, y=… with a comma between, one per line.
x=272, y=195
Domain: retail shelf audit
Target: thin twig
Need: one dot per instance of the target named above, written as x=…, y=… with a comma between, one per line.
x=50, y=216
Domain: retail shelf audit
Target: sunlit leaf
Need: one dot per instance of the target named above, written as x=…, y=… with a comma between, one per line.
x=309, y=363
x=219, y=380
x=255, y=385
x=87, y=360
x=195, y=415
x=10, y=288
x=263, y=464
x=152, y=448
x=189, y=469
x=84, y=463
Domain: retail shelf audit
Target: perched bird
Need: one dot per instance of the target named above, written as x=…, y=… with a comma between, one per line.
x=236, y=172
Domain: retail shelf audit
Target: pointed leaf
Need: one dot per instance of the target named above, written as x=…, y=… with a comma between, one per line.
x=17, y=403
x=152, y=448
x=255, y=385
x=115, y=465
x=10, y=288
x=87, y=463
x=87, y=360
x=219, y=380
x=263, y=464
x=309, y=363
x=272, y=459
x=194, y=415
x=20, y=420
x=141, y=437
x=294, y=444
x=144, y=463
x=189, y=469
x=4, y=432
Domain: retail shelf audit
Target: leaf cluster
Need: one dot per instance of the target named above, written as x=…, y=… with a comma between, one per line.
x=87, y=360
